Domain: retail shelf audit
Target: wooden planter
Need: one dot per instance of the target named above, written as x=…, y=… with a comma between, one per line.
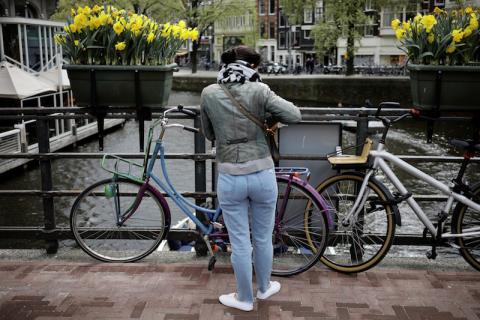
x=445, y=88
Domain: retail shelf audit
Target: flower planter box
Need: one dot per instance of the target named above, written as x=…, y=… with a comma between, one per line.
x=445, y=88
x=115, y=85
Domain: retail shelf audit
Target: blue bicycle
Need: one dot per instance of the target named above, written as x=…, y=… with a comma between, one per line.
x=125, y=218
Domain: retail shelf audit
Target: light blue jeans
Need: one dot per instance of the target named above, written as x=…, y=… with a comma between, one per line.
x=238, y=195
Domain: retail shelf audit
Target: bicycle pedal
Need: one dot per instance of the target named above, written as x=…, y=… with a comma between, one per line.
x=211, y=263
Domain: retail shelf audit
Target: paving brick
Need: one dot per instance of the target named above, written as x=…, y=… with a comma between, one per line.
x=54, y=289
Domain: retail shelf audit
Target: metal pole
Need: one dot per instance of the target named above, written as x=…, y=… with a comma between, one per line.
x=50, y=42
x=2, y=48
x=20, y=50
x=40, y=47
x=45, y=46
x=47, y=184
x=200, y=180
x=27, y=58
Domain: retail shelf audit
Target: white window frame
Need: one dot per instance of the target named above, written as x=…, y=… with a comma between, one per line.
x=269, y=7
x=260, y=13
x=305, y=34
x=307, y=13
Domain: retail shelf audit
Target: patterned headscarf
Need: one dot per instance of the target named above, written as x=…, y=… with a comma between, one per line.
x=237, y=71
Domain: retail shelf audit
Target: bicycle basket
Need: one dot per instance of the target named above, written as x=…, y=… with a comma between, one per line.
x=123, y=168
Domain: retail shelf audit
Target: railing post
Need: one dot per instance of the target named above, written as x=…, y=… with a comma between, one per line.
x=200, y=180
x=46, y=181
x=362, y=131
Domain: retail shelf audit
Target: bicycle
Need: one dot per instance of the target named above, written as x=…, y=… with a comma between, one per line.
x=125, y=218
x=365, y=213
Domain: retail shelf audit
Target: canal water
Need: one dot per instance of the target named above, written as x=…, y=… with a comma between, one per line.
x=406, y=138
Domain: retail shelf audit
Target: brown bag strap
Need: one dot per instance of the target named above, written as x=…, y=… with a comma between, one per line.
x=247, y=113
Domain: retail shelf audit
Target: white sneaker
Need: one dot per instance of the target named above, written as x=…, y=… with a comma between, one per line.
x=230, y=300
x=272, y=289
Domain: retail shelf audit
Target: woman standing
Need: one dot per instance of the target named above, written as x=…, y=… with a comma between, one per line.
x=246, y=180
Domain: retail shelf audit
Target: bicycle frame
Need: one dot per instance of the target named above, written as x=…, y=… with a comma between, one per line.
x=381, y=157
x=179, y=200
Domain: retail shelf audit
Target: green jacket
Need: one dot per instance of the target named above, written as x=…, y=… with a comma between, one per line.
x=238, y=139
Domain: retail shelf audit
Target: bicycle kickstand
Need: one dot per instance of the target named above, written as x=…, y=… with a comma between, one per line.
x=213, y=259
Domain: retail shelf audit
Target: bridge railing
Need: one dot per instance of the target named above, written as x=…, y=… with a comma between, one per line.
x=52, y=233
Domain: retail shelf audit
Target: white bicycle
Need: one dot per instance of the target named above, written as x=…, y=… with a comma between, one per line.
x=365, y=212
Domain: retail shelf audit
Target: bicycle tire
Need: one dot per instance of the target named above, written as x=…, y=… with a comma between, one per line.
x=292, y=253
x=465, y=217
x=94, y=226
x=372, y=241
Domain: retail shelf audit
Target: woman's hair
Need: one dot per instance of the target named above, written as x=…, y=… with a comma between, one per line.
x=241, y=53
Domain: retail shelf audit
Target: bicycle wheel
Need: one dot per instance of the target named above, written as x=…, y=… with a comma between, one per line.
x=464, y=219
x=357, y=245
x=301, y=229
x=93, y=221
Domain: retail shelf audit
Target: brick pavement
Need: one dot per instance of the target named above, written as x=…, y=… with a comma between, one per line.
x=55, y=289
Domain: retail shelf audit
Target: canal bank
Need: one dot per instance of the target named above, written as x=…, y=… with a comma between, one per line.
x=316, y=90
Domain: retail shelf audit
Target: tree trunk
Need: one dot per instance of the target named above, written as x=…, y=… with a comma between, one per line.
x=193, y=56
x=350, y=49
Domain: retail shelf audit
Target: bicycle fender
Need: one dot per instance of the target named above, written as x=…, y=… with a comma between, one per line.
x=164, y=204
x=313, y=192
x=386, y=191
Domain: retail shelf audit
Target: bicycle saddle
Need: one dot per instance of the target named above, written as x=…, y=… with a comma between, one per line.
x=467, y=145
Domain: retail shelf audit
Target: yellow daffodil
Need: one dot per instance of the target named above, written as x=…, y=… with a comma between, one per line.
x=118, y=28
x=73, y=28
x=457, y=35
x=451, y=48
x=437, y=10
x=150, y=37
x=417, y=18
x=182, y=24
x=406, y=25
x=468, y=10
x=81, y=21
x=395, y=23
x=400, y=33
x=120, y=46
x=96, y=8
x=467, y=32
x=66, y=29
x=76, y=42
x=428, y=21
x=431, y=38
x=194, y=34
x=473, y=23
x=72, y=12
x=87, y=10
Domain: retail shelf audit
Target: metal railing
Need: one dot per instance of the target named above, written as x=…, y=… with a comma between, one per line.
x=51, y=233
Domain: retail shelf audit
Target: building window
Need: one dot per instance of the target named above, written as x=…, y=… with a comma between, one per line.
x=272, y=7
x=272, y=53
x=263, y=32
x=296, y=36
x=306, y=34
x=282, y=40
x=283, y=21
x=272, y=30
x=318, y=13
x=307, y=15
x=261, y=7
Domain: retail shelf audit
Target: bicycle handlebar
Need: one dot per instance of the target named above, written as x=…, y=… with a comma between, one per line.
x=191, y=129
x=186, y=111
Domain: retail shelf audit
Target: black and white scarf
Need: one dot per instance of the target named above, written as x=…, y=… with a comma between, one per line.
x=237, y=71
